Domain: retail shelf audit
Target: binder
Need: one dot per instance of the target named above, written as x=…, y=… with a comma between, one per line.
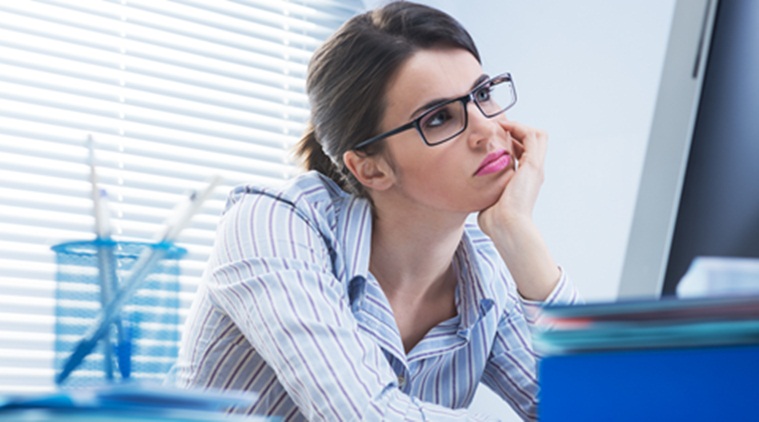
x=669, y=384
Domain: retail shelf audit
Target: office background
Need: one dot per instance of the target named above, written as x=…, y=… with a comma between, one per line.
x=586, y=71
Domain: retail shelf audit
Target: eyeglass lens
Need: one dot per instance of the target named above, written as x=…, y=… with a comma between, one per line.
x=442, y=123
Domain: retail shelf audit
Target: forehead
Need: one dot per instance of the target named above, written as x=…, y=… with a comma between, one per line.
x=430, y=75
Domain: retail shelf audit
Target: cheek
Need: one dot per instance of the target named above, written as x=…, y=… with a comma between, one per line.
x=412, y=163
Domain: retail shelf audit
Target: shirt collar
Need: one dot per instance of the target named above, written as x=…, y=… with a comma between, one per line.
x=474, y=292
x=354, y=235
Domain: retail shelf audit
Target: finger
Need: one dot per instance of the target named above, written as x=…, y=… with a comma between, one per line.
x=517, y=147
x=517, y=130
x=525, y=138
x=528, y=137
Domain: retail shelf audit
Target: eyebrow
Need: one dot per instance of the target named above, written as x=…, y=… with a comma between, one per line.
x=433, y=103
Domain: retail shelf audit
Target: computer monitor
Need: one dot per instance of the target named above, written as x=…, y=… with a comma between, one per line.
x=699, y=190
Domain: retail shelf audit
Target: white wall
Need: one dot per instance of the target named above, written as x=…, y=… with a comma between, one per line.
x=587, y=71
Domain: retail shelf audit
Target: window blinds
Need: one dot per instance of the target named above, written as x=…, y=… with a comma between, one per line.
x=172, y=92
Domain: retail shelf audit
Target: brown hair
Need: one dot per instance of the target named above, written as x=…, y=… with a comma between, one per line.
x=349, y=73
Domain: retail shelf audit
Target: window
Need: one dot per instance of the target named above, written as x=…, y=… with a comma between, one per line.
x=172, y=92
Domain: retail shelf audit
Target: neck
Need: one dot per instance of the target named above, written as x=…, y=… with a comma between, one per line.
x=412, y=255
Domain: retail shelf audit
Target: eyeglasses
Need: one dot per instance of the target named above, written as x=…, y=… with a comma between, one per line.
x=447, y=120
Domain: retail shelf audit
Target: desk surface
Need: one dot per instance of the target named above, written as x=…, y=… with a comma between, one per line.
x=128, y=402
x=110, y=415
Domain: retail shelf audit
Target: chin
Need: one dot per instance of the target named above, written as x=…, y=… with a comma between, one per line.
x=492, y=193
x=485, y=201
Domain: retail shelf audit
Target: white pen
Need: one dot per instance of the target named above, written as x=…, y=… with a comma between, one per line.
x=105, y=259
x=182, y=213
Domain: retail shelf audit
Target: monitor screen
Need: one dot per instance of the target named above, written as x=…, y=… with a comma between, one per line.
x=699, y=188
x=718, y=214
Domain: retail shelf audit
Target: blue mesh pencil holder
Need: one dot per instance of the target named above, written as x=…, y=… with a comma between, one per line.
x=143, y=342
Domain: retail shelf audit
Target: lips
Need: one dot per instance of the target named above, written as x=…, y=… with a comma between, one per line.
x=493, y=163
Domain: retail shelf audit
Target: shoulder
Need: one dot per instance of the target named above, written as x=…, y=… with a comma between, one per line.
x=309, y=217
x=308, y=192
x=309, y=187
x=307, y=200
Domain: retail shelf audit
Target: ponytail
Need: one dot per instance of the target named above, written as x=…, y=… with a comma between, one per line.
x=313, y=157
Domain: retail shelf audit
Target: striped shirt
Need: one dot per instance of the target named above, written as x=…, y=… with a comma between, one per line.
x=288, y=308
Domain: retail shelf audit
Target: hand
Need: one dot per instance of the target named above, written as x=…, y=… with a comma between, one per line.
x=508, y=222
x=516, y=203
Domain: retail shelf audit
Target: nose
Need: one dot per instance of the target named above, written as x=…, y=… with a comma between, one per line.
x=480, y=129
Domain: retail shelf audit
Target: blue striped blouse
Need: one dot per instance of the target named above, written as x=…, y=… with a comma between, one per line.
x=287, y=308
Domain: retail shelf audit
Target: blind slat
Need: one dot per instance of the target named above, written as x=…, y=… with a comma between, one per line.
x=114, y=125
x=43, y=141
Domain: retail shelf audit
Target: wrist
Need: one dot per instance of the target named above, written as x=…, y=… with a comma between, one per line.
x=505, y=225
x=526, y=255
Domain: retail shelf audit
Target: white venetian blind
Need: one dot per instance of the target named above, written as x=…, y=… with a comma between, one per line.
x=173, y=92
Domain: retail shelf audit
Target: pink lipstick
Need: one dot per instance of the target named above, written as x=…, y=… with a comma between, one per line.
x=493, y=163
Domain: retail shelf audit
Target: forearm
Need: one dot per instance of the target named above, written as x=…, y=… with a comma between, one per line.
x=526, y=254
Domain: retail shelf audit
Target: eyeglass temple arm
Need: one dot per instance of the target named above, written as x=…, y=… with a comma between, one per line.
x=373, y=139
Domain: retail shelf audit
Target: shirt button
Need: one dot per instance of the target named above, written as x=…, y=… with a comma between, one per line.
x=401, y=381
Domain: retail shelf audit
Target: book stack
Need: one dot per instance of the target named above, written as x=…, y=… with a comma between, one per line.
x=669, y=359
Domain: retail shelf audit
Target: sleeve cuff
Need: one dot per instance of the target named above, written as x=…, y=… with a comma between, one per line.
x=563, y=293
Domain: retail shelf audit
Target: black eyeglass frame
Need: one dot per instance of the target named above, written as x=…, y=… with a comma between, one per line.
x=465, y=99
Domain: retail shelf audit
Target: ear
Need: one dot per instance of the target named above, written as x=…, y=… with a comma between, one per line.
x=371, y=171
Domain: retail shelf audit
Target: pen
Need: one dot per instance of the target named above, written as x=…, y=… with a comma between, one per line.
x=124, y=349
x=107, y=277
x=145, y=263
x=106, y=262
x=109, y=285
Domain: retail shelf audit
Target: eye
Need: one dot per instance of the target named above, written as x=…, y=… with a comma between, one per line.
x=437, y=117
x=483, y=95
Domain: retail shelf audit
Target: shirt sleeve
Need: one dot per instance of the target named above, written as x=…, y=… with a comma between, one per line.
x=512, y=368
x=563, y=293
x=271, y=273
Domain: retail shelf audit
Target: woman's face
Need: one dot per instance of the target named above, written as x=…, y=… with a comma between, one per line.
x=451, y=176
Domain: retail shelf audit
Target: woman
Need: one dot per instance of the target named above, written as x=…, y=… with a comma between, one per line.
x=361, y=289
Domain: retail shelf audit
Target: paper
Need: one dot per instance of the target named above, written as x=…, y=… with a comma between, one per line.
x=712, y=276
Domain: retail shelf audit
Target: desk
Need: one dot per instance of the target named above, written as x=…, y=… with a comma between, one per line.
x=678, y=384
x=127, y=402
x=77, y=415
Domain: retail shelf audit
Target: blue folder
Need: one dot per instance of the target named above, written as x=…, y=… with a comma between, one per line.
x=670, y=384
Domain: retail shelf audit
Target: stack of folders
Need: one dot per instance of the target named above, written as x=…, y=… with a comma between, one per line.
x=650, y=324
x=688, y=359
